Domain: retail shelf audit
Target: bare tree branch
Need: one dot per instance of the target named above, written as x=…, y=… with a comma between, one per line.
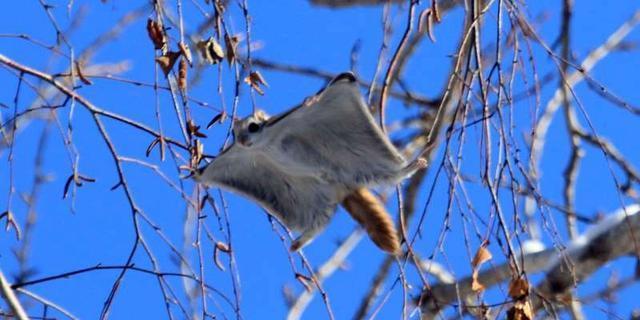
x=10, y=298
x=603, y=242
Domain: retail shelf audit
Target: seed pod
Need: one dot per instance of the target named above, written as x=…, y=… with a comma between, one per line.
x=211, y=51
x=167, y=61
x=156, y=34
x=182, y=74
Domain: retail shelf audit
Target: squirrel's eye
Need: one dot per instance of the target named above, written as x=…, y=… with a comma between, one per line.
x=253, y=127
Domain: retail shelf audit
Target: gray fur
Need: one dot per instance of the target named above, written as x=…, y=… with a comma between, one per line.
x=301, y=164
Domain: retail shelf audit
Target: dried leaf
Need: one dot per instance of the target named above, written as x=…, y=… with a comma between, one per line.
x=210, y=50
x=167, y=61
x=182, y=74
x=518, y=288
x=255, y=80
x=482, y=255
x=156, y=34
x=186, y=52
x=231, y=44
x=521, y=310
x=194, y=130
x=196, y=154
x=476, y=286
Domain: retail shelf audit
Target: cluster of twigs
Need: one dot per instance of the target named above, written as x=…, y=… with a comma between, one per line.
x=479, y=101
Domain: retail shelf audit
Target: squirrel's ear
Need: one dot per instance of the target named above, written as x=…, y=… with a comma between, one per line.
x=261, y=115
x=347, y=78
x=343, y=77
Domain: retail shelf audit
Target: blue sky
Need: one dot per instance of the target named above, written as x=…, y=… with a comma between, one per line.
x=290, y=32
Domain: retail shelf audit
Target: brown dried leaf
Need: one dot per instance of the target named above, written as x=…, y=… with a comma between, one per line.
x=191, y=127
x=255, y=80
x=182, y=74
x=167, y=61
x=476, y=286
x=197, y=151
x=156, y=34
x=231, y=44
x=210, y=50
x=482, y=255
x=194, y=130
x=518, y=288
x=521, y=310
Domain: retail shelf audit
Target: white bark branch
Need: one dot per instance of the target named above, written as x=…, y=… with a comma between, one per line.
x=615, y=236
x=10, y=298
x=328, y=268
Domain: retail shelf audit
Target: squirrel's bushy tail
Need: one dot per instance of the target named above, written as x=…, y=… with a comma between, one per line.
x=370, y=213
